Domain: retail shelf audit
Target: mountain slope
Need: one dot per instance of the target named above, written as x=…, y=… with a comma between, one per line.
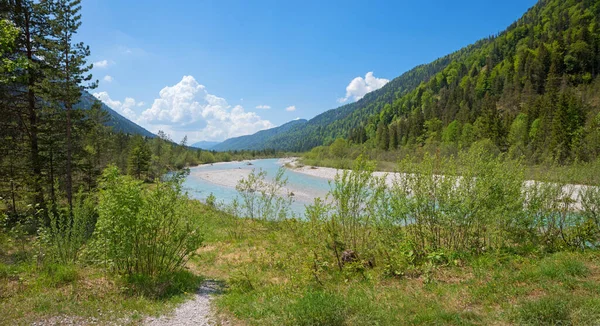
x=117, y=121
x=257, y=140
x=327, y=126
x=532, y=90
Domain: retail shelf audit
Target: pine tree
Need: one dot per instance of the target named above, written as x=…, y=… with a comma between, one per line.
x=96, y=143
x=138, y=162
x=68, y=70
x=393, y=132
x=28, y=17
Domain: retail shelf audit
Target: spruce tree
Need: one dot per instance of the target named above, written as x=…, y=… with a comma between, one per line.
x=68, y=74
x=29, y=18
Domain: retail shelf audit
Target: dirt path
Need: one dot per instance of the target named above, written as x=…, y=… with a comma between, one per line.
x=193, y=312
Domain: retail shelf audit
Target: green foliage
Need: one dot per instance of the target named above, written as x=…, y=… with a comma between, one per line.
x=139, y=159
x=67, y=233
x=151, y=233
x=264, y=199
x=9, y=64
x=338, y=148
x=356, y=198
x=59, y=274
x=211, y=200
x=466, y=210
x=207, y=157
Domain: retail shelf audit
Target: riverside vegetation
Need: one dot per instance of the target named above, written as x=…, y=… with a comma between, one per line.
x=459, y=238
x=476, y=246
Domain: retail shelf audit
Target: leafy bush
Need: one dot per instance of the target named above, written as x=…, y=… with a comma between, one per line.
x=264, y=199
x=149, y=232
x=67, y=232
x=474, y=206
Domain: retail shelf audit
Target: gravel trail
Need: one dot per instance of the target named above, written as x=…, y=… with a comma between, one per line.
x=193, y=312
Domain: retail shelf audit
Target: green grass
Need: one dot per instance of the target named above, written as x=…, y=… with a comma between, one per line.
x=32, y=292
x=271, y=281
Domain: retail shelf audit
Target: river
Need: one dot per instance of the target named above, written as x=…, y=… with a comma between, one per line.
x=220, y=180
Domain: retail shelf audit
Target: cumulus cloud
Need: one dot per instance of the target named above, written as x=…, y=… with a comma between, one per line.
x=101, y=64
x=359, y=87
x=124, y=108
x=107, y=78
x=291, y=108
x=262, y=107
x=187, y=108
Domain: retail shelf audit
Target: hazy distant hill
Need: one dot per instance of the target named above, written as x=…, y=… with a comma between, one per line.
x=208, y=145
x=257, y=140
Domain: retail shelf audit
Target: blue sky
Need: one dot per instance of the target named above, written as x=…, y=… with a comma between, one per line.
x=218, y=69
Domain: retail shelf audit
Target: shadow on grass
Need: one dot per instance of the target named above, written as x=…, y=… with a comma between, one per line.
x=164, y=287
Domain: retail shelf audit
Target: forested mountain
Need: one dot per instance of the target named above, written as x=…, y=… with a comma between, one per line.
x=532, y=90
x=259, y=139
x=118, y=122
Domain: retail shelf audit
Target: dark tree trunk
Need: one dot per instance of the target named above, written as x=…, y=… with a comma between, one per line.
x=36, y=165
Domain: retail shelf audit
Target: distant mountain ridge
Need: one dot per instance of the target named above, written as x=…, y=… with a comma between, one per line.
x=207, y=145
x=117, y=121
x=257, y=140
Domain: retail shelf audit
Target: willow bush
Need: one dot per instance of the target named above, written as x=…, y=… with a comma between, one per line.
x=347, y=218
x=142, y=230
x=473, y=207
x=262, y=198
x=440, y=207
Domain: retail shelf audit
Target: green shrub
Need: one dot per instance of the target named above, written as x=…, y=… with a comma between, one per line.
x=144, y=231
x=63, y=239
x=318, y=308
x=264, y=199
x=471, y=204
x=211, y=200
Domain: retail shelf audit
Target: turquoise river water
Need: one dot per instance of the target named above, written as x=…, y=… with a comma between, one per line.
x=200, y=188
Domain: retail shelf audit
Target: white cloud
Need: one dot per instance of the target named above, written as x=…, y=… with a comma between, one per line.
x=101, y=64
x=291, y=108
x=141, y=104
x=263, y=107
x=359, y=87
x=186, y=108
x=107, y=78
x=124, y=108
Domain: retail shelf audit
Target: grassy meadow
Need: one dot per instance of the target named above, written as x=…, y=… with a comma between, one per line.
x=456, y=241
